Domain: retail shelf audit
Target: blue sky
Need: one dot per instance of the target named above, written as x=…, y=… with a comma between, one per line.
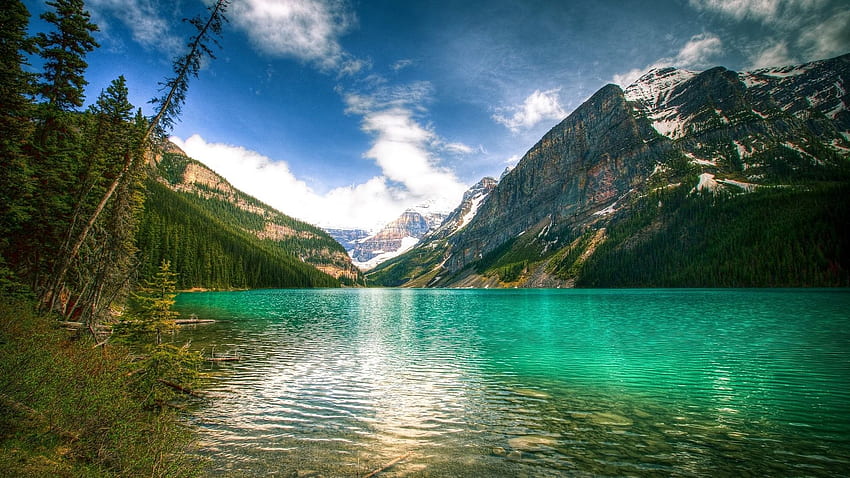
x=345, y=113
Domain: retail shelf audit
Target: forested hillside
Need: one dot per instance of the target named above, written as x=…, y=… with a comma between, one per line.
x=92, y=201
x=211, y=252
x=220, y=238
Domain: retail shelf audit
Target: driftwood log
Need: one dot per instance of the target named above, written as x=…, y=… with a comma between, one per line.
x=179, y=388
x=388, y=465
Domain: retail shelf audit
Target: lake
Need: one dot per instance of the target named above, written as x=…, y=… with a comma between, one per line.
x=525, y=382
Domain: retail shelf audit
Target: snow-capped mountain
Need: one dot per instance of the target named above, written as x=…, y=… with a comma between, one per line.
x=347, y=237
x=473, y=198
x=636, y=161
x=395, y=238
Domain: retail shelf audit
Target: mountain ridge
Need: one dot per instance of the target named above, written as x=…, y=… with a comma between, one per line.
x=674, y=137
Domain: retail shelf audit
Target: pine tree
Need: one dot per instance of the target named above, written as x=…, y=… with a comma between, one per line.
x=16, y=110
x=100, y=272
x=64, y=52
x=153, y=302
x=56, y=151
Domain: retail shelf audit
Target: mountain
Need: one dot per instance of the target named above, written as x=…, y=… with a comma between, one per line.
x=218, y=237
x=347, y=238
x=395, y=237
x=419, y=268
x=713, y=178
x=472, y=200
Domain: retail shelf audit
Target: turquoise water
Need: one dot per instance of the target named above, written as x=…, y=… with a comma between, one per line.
x=526, y=382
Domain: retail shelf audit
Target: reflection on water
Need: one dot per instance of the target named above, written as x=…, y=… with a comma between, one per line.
x=535, y=383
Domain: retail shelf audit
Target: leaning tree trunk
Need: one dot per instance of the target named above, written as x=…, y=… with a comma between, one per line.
x=187, y=66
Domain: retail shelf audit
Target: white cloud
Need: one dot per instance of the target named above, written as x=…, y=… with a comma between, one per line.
x=352, y=66
x=699, y=50
x=308, y=30
x=458, y=148
x=538, y=106
x=629, y=77
x=368, y=205
x=773, y=12
x=402, y=149
x=828, y=38
x=513, y=160
x=142, y=18
x=401, y=64
x=802, y=30
x=774, y=55
x=697, y=53
x=764, y=10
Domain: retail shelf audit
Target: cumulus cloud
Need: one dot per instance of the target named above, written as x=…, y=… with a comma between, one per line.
x=404, y=148
x=142, y=18
x=538, y=106
x=370, y=204
x=308, y=30
x=697, y=53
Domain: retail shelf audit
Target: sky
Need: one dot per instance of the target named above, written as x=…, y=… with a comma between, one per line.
x=344, y=113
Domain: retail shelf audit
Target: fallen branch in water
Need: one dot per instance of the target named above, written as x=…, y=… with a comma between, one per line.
x=388, y=465
x=223, y=359
x=179, y=388
x=193, y=321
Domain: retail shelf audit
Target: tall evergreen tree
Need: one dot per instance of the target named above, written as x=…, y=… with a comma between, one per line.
x=55, y=152
x=100, y=269
x=16, y=110
x=154, y=301
x=64, y=52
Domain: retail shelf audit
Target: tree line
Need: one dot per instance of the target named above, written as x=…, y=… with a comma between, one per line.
x=72, y=179
x=773, y=237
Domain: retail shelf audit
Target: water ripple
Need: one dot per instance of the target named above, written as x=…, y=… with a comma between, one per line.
x=488, y=383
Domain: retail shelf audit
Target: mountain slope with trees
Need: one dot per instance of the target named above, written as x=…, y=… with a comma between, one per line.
x=701, y=179
x=218, y=237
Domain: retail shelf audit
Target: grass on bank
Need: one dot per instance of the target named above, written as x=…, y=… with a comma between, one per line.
x=70, y=409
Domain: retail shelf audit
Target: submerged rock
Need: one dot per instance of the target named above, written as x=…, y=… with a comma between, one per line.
x=532, y=393
x=605, y=418
x=531, y=442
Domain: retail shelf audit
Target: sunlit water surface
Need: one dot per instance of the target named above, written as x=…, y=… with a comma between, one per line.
x=526, y=382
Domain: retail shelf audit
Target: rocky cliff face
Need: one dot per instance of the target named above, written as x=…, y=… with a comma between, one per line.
x=347, y=237
x=469, y=206
x=671, y=130
x=585, y=164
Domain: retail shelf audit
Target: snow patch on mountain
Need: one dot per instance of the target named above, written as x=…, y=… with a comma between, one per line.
x=653, y=93
x=475, y=203
x=700, y=161
x=706, y=182
x=380, y=256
